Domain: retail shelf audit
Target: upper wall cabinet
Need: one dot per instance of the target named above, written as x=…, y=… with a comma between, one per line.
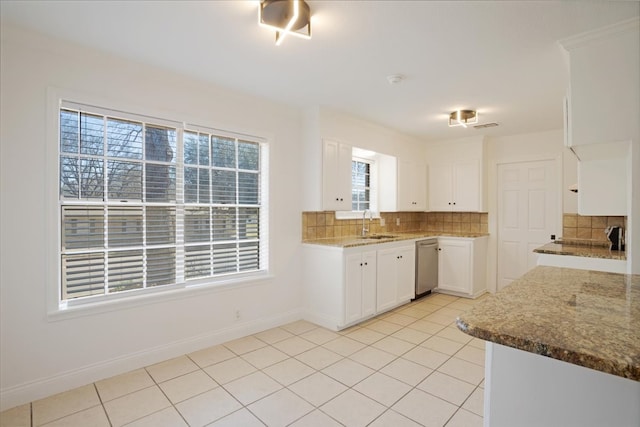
x=603, y=102
x=455, y=186
x=336, y=176
x=457, y=180
x=412, y=186
x=602, y=113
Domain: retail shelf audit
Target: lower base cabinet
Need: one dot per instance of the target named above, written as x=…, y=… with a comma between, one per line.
x=396, y=276
x=360, y=286
x=462, y=266
x=343, y=286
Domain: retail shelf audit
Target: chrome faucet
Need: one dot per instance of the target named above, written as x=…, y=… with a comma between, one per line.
x=364, y=215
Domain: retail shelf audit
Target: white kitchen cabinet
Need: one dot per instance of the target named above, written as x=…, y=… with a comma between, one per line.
x=360, y=285
x=462, y=266
x=341, y=285
x=406, y=274
x=601, y=113
x=336, y=175
x=412, y=186
x=455, y=186
x=604, y=84
x=603, y=182
x=396, y=276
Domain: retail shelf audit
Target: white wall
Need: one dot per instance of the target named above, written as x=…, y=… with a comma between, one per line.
x=325, y=123
x=39, y=355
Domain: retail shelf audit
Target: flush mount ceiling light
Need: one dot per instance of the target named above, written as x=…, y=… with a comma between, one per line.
x=286, y=17
x=463, y=118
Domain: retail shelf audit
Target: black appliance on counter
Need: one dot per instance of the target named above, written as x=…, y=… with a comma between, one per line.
x=615, y=234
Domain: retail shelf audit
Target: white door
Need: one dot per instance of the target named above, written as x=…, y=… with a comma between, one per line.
x=527, y=215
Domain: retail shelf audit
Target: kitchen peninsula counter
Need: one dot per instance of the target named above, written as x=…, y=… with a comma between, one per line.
x=588, y=318
x=562, y=349
x=597, y=250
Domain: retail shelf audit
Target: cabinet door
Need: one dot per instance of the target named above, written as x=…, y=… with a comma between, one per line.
x=440, y=187
x=604, y=82
x=369, y=283
x=387, y=286
x=336, y=176
x=420, y=186
x=353, y=287
x=406, y=273
x=412, y=183
x=466, y=186
x=454, y=265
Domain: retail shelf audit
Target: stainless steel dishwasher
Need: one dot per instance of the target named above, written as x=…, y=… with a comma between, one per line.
x=426, y=266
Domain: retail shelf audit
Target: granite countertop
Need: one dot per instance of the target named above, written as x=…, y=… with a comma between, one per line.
x=588, y=318
x=374, y=239
x=583, y=249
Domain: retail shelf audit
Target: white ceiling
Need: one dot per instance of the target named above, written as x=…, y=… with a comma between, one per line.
x=500, y=58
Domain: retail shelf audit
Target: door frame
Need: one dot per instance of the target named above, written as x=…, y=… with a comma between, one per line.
x=492, y=205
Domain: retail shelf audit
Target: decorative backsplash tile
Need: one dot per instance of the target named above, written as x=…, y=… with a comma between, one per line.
x=316, y=225
x=576, y=226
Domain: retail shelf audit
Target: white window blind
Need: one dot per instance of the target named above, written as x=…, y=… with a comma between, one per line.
x=145, y=204
x=360, y=185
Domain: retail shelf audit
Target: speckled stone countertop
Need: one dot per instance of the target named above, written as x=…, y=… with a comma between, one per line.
x=588, y=318
x=600, y=250
x=352, y=241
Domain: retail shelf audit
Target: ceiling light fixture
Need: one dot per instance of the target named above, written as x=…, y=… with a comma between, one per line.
x=286, y=17
x=463, y=118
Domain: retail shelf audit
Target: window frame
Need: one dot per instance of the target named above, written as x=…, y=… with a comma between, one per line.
x=371, y=187
x=57, y=308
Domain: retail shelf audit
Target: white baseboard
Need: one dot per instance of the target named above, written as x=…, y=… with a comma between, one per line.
x=38, y=389
x=321, y=320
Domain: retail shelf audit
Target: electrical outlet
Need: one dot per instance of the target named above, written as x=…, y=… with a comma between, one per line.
x=382, y=222
x=397, y=221
x=237, y=314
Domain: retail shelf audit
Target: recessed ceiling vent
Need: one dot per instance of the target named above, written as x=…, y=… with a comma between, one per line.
x=485, y=125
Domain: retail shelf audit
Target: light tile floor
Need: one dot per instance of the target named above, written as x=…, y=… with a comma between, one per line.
x=408, y=367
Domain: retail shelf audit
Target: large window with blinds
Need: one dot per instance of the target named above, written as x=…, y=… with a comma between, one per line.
x=147, y=203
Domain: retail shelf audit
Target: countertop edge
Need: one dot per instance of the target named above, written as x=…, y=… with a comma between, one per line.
x=580, y=251
x=623, y=370
x=355, y=241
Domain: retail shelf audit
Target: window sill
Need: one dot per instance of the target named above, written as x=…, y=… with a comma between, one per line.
x=355, y=214
x=126, y=302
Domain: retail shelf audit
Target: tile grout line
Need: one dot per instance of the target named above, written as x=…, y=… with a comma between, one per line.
x=367, y=345
x=95, y=387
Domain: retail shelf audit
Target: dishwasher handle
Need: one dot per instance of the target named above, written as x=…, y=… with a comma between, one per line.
x=428, y=245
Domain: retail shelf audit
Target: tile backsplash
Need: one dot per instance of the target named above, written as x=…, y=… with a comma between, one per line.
x=316, y=225
x=576, y=226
